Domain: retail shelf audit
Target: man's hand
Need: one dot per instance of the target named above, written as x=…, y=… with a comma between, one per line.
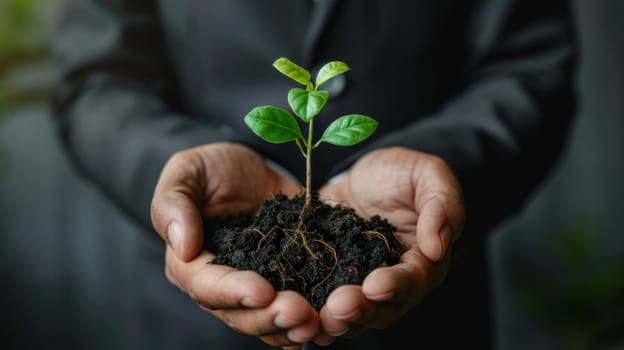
x=217, y=180
x=419, y=194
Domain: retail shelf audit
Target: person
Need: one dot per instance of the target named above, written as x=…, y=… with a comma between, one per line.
x=474, y=100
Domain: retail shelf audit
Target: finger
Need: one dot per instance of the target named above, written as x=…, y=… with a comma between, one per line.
x=294, y=347
x=344, y=306
x=406, y=282
x=280, y=340
x=433, y=233
x=286, y=187
x=324, y=339
x=348, y=312
x=219, y=286
x=277, y=339
x=288, y=320
x=282, y=181
x=439, y=204
x=337, y=328
x=331, y=194
x=335, y=193
x=174, y=210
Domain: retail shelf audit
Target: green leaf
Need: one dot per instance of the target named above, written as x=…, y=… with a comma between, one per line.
x=349, y=130
x=330, y=70
x=273, y=124
x=293, y=71
x=307, y=104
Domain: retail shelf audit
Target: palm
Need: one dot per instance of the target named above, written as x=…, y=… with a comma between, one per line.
x=214, y=180
x=391, y=198
x=420, y=196
x=398, y=185
x=235, y=179
x=218, y=180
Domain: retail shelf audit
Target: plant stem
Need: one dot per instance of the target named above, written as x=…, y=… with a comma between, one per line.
x=308, y=188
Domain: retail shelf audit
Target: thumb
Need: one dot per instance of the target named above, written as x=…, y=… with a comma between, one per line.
x=433, y=234
x=175, y=209
x=335, y=191
x=178, y=221
x=441, y=212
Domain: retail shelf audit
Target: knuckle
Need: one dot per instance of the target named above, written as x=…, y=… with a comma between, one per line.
x=437, y=164
x=169, y=275
x=233, y=323
x=177, y=158
x=279, y=340
x=156, y=215
x=193, y=293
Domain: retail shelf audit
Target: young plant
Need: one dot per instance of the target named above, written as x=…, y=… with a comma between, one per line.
x=276, y=125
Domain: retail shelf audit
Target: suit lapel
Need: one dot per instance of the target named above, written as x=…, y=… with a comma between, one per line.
x=319, y=19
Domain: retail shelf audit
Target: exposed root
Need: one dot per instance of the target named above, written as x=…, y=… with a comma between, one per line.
x=294, y=270
x=331, y=271
x=380, y=236
x=264, y=236
x=304, y=241
x=331, y=249
x=283, y=269
x=275, y=266
x=287, y=243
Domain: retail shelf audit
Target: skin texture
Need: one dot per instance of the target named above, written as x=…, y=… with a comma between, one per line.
x=417, y=192
x=421, y=197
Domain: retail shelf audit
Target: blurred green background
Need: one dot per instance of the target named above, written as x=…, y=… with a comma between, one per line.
x=558, y=266
x=26, y=73
x=26, y=70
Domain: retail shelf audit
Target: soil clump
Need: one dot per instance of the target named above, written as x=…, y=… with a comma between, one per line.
x=309, y=251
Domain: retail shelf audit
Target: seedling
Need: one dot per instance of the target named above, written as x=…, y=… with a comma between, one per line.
x=301, y=243
x=277, y=125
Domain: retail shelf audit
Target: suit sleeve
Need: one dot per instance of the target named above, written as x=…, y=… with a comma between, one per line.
x=506, y=127
x=117, y=106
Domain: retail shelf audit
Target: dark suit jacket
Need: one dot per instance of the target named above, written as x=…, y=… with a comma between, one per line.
x=486, y=85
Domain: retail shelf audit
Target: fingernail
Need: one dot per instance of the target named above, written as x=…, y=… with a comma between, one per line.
x=445, y=240
x=174, y=235
x=252, y=303
x=387, y=295
x=282, y=321
x=337, y=334
x=324, y=340
x=354, y=315
x=294, y=337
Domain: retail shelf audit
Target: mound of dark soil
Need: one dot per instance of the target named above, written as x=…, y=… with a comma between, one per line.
x=311, y=252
